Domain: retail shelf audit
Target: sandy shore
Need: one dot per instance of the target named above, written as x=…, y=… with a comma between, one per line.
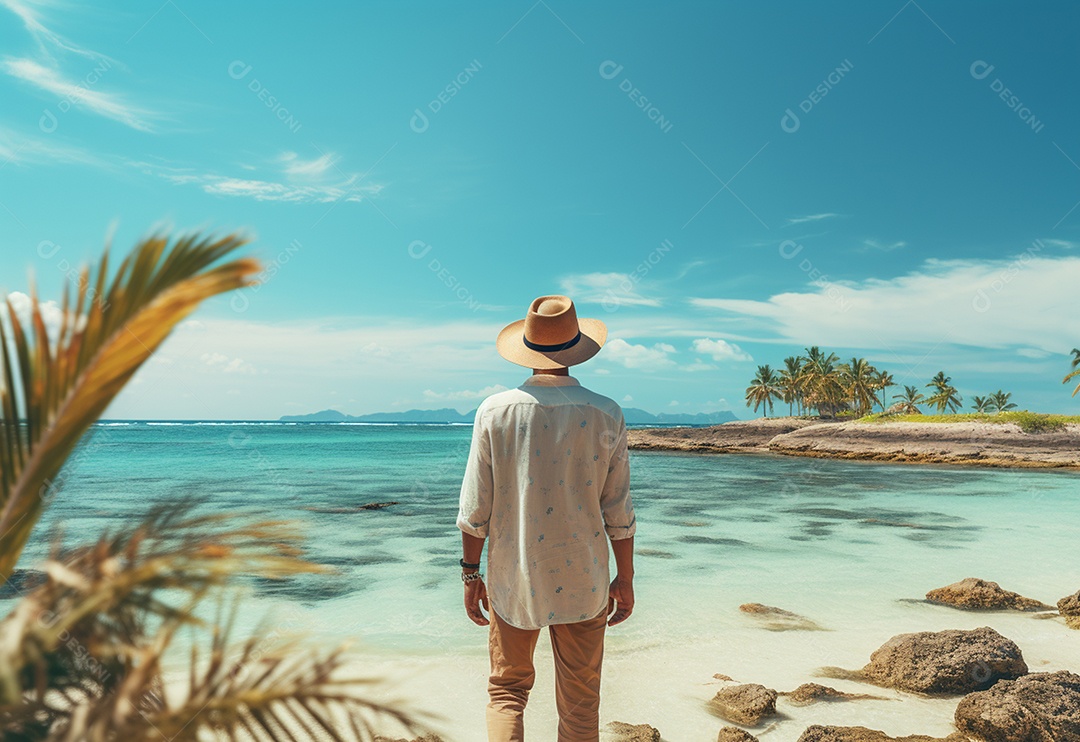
x=973, y=443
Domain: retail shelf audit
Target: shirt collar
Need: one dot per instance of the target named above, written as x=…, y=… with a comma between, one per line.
x=551, y=380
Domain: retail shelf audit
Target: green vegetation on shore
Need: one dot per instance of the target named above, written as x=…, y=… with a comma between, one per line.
x=1029, y=422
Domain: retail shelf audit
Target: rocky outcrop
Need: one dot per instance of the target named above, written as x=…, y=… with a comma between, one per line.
x=808, y=693
x=945, y=662
x=973, y=594
x=818, y=733
x=620, y=731
x=734, y=734
x=970, y=443
x=1041, y=707
x=748, y=703
x=740, y=436
x=777, y=619
x=1069, y=607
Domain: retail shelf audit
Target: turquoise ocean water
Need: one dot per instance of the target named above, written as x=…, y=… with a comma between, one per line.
x=848, y=544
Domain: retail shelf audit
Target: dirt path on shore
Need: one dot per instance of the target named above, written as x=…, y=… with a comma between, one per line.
x=974, y=443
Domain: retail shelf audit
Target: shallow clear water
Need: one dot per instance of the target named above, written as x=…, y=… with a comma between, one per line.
x=844, y=543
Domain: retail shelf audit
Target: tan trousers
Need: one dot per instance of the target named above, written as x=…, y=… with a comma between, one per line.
x=579, y=652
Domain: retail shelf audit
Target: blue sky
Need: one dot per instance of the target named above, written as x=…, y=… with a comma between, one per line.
x=722, y=183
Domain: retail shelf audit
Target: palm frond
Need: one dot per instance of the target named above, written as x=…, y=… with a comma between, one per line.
x=82, y=656
x=102, y=596
x=1075, y=365
x=53, y=388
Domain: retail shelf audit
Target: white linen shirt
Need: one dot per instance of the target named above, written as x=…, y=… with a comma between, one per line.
x=548, y=477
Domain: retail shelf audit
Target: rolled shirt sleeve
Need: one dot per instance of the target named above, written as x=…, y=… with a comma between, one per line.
x=615, y=503
x=474, y=511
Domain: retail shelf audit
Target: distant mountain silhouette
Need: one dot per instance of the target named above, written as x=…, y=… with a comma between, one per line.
x=633, y=416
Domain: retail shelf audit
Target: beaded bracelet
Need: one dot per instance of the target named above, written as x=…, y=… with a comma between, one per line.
x=468, y=577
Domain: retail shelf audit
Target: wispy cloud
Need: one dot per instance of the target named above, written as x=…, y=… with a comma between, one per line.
x=1063, y=244
x=295, y=181
x=610, y=289
x=265, y=190
x=811, y=218
x=109, y=105
x=227, y=365
x=44, y=36
x=297, y=167
x=28, y=150
x=464, y=394
x=883, y=246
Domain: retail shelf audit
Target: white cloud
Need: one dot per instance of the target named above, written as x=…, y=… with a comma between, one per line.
x=227, y=365
x=1033, y=353
x=609, y=289
x=981, y=303
x=27, y=150
x=673, y=403
x=627, y=398
x=465, y=393
x=239, y=366
x=297, y=167
x=811, y=218
x=214, y=359
x=51, y=314
x=884, y=246
x=282, y=185
x=639, y=356
x=720, y=350
x=32, y=21
x=1063, y=244
x=52, y=81
x=263, y=190
x=375, y=349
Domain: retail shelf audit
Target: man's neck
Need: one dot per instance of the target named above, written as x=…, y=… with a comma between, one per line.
x=552, y=371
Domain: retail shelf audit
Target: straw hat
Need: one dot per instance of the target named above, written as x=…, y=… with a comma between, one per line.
x=551, y=335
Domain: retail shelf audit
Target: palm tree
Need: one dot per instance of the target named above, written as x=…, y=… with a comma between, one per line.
x=791, y=382
x=1000, y=401
x=1075, y=372
x=763, y=389
x=859, y=380
x=945, y=395
x=981, y=404
x=92, y=670
x=823, y=382
x=883, y=382
x=910, y=400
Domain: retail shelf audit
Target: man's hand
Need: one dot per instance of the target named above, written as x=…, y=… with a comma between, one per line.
x=475, y=595
x=620, y=599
